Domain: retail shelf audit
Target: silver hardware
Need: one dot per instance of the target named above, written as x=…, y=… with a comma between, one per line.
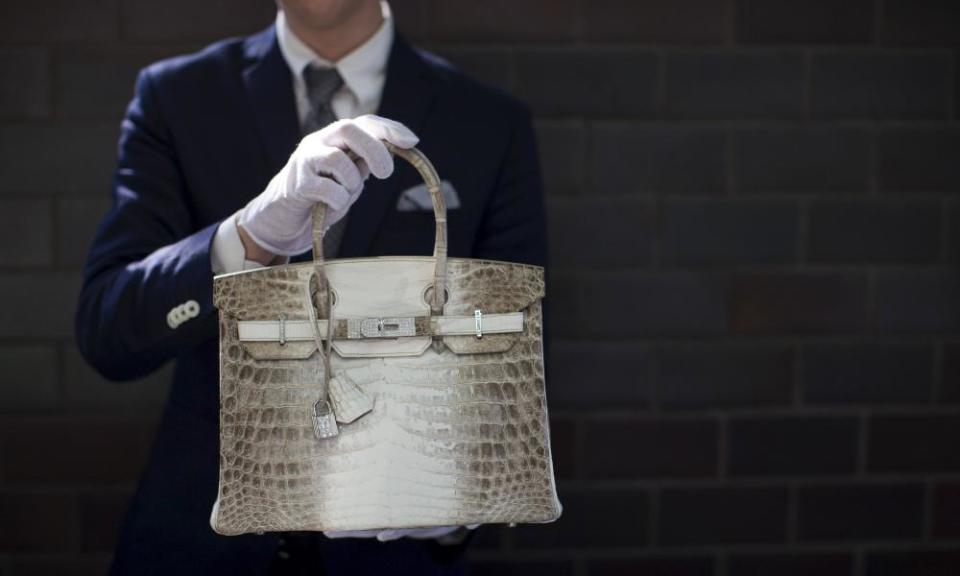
x=283, y=329
x=381, y=327
x=324, y=420
x=478, y=322
x=428, y=295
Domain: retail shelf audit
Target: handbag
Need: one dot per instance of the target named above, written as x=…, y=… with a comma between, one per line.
x=382, y=393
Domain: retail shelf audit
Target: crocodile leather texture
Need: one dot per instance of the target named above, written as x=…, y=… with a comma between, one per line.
x=428, y=430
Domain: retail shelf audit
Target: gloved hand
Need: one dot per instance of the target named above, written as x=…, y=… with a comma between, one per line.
x=387, y=535
x=320, y=170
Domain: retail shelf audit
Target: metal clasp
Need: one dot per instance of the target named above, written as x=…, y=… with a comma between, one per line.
x=387, y=327
x=478, y=322
x=283, y=329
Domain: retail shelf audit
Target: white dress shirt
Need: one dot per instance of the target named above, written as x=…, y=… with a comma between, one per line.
x=363, y=70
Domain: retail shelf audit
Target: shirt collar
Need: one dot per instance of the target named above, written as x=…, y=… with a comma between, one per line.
x=362, y=70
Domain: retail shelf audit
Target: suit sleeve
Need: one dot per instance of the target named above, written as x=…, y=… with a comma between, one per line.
x=514, y=226
x=147, y=285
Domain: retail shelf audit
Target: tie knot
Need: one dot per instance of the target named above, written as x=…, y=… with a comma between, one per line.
x=321, y=83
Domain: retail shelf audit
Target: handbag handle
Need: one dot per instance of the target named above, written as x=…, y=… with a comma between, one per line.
x=432, y=180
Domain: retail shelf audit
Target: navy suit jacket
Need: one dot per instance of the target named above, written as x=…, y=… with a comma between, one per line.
x=202, y=136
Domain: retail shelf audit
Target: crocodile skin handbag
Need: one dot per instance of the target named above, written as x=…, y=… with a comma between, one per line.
x=386, y=392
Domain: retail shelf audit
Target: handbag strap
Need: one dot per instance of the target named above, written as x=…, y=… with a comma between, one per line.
x=324, y=418
x=324, y=421
x=432, y=180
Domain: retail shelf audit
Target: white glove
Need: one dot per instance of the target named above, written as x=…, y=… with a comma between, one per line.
x=320, y=170
x=387, y=535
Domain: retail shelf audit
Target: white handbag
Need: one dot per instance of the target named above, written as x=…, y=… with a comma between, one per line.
x=379, y=393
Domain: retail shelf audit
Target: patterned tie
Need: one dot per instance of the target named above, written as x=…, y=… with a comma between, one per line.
x=321, y=84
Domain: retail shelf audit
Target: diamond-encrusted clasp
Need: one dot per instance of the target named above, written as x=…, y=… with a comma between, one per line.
x=381, y=327
x=478, y=322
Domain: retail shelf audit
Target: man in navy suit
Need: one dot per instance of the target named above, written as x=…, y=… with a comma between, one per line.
x=201, y=144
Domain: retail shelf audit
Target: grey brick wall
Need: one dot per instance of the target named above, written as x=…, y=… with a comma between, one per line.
x=755, y=218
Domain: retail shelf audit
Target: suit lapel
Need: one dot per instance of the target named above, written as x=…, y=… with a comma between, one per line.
x=408, y=94
x=269, y=86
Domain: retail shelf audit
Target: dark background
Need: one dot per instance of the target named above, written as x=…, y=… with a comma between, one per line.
x=755, y=232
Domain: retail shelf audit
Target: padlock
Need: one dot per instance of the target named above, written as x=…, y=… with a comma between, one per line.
x=324, y=420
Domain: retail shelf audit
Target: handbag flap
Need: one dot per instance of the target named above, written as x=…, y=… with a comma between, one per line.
x=491, y=287
x=380, y=287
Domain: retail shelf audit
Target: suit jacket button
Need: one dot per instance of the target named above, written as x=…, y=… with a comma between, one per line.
x=172, y=320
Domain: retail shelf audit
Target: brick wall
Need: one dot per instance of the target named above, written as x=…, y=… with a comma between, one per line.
x=755, y=233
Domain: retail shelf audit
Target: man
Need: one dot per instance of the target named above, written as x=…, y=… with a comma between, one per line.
x=211, y=179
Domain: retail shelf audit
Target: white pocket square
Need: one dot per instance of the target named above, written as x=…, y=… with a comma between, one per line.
x=418, y=198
